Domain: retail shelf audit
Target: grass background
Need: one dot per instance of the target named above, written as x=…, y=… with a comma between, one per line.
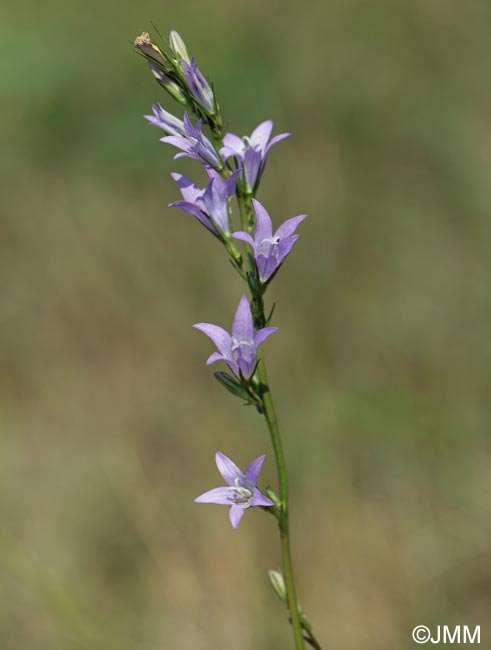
x=380, y=370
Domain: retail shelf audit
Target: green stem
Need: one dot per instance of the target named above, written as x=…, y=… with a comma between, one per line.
x=246, y=210
x=247, y=219
x=270, y=415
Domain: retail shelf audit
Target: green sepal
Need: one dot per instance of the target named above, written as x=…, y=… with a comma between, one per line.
x=232, y=385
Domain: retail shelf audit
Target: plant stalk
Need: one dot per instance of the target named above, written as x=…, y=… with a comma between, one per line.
x=283, y=524
x=246, y=209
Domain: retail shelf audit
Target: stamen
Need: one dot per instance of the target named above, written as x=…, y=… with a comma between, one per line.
x=240, y=495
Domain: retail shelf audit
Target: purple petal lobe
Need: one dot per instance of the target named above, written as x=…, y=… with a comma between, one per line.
x=177, y=141
x=227, y=468
x=235, y=515
x=242, y=327
x=233, y=144
x=253, y=469
x=275, y=140
x=216, y=356
x=244, y=236
x=285, y=246
x=190, y=192
x=258, y=499
x=252, y=166
x=218, y=335
x=261, y=134
x=262, y=335
x=220, y=495
x=264, y=227
x=289, y=226
x=233, y=367
x=193, y=209
x=266, y=265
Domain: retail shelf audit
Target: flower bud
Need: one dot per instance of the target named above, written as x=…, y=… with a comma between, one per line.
x=178, y=46
x=278, y=583
x=167, y=83
x=273, y=496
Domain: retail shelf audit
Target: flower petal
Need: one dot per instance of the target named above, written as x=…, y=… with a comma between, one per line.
x=220, y=495
x=234, y=144
x=252, y=165
x=258, y=499
x=275, y=140
x=253, y=469
x=264, y=227
x=177, y=141
x=193, y=209
x=233, y=367
x=289, y=226
x=235, y=514
x=215, y=356
x=261, y=134
x=242, y=327
x=262, y=335
x=244, y=236
x=219, y=336
x=190, y=192
x=266, y=266
x=227, y=468
x=166, y=121
x=285, y=246
x=216, y=204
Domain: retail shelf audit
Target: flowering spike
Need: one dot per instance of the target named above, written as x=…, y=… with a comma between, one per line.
x=241, y=491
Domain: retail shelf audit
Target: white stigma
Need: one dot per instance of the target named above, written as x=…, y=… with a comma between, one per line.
x=240, y=494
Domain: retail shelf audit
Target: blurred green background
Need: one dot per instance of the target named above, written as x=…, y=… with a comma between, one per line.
x=110, y=419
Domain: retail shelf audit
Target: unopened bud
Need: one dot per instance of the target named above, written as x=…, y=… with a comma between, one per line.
x=178, y=46
x=167, y=83
x=278, y=583
x=273, y=496
x=143, y=44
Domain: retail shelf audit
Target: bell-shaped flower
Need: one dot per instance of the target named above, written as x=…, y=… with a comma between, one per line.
x=251, y=152
x=194, y=144
x=200, y=89
x=239, y=349
x=241, y=491
x=208, y=205
x=270, y=249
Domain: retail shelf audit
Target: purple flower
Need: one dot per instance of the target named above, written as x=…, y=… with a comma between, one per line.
x=166, y=121
x=238, y=350
x=270, y=250
x=197, y=84
x=241, y=491
x=209, y=205
x=252, y=152
x=194, y=144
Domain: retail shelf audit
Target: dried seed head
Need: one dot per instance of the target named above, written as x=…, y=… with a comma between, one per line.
x=143, y=44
